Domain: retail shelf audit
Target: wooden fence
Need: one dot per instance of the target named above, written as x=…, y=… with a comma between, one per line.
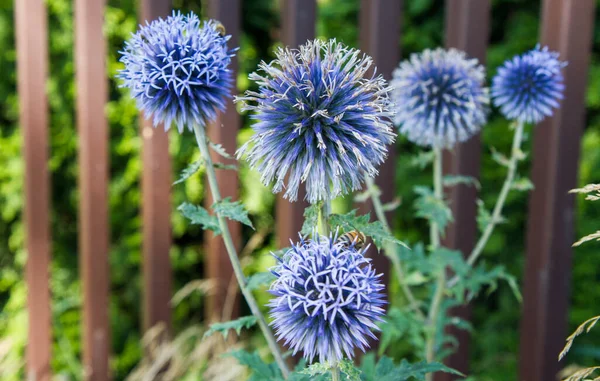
x=567, y=27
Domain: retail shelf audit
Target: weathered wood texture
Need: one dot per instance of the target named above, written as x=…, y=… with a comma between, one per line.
x=32, y=70
x=567, y=27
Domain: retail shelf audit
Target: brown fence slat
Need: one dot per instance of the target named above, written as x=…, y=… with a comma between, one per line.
x=567, y=27
x=467, y=29
x=90, y=57
x=32, y=70
x=156, y=204
x=298, y=26
x=379, y=37
x=224, y=131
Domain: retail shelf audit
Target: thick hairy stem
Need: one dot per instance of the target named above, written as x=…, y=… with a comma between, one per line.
x=335, y=373
x=436, y=302
x=515, y=156
x=389, y=249
x=231, y=251
x=323, y=220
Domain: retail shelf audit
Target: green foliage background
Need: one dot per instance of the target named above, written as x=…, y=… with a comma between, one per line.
x=494, y=348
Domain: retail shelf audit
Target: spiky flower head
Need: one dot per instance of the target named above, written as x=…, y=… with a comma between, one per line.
x=321, y=119
x=528, y=87
x=177, y=70
x=327, y=298
x=440, y=97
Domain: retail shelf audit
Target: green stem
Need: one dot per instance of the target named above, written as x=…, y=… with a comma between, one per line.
x=335, y=373
x=508, y=182
x=436, y=302
x=323, y=220
x=231, y=251
x=389, y=248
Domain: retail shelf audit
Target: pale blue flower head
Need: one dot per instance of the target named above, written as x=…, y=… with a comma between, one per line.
x=529, y=87
x=321, y=119
x=440, y=97
x=177, y=70
x=328, y=299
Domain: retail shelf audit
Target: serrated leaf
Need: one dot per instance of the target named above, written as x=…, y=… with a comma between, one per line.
x=375, y=230
x=218, y=148
x=453, y=180
x=311, y=216
x=315, y=369
x=200, y=216
x=422, y=159
x=261, y=371
x=233, y=210
x=386, y=370
x=225, y=166
x=470, y=284
x=189, y=171
x=430, y=207
x=348, y=369
x=523, y=184
x=237, y=325
x=500, y=158
x=401, y=326
x=393, y=205
x=484, y=217
x=258, y=280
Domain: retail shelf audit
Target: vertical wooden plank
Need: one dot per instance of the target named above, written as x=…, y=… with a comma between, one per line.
x=224, y=131
x=467, y=29
x=380, y=38
x=156, y=204
x=567, y=28
x=32, y=70
x=90, y=56
x=298, y=26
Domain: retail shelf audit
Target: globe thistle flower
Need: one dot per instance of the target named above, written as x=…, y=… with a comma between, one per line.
x=327, y=299
x=440, y=97
x=177, y=70
x=528, y=87
x=320, y=120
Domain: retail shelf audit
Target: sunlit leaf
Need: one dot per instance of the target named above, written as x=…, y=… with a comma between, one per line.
x=200, y=216
x=233, y=210
x=237, y=325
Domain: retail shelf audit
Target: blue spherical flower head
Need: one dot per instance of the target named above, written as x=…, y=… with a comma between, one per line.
x=440, y=97
x=528, y=87
x=177, y=70
x=327, y=299
x=321, y=119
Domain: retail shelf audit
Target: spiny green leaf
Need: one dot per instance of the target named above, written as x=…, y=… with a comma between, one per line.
x=233, y=210
x=218, y=148
x=401, y=326
x=422, y=159
x=261, y=371
x=260, y=279
x=348, y=369
x=385, y=370
x=472, y=282
x=200, y=216
x=430, y=207
x=522, y=184
x=452, y=180
x=225, y=166
x=189, y=171
x=236, y=325
x=375, y=230
x=500, y=158
x=311, y=215
x=315, y=369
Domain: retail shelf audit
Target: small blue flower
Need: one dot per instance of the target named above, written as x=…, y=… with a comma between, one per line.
x=440, y=97
x=528, y=87
x=327, y=299
x=177, y=70
x=321, y=119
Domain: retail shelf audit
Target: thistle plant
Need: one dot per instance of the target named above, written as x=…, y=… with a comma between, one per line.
x=320, y=120
x=328, y=299
x=440, y=100
x=177, y=70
